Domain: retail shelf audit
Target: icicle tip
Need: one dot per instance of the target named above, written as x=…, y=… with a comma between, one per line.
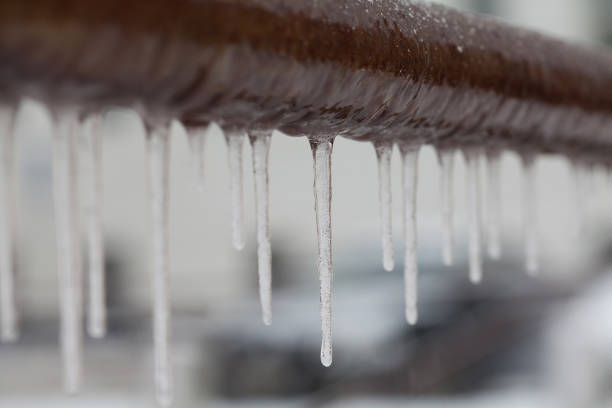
x=412, y=316
x=326, y=358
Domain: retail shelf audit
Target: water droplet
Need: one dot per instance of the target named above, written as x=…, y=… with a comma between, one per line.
x=158, y=154
x=92, y=174
x=260, y=142
x=65, y=186
x=9, y=330
x=410, y=156
x=384, y=152
x=322, y=152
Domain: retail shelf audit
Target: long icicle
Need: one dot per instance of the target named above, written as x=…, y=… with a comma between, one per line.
x=260, y=142
x=9, y=320
x=65, y=186
x=410, y=156
x=475, y=216
x=92, y=157
x=235, y=143
x=322, y=152
x=197, y=146
x=158, y=149
x=384, y=152
x=494, y=204
x=530, y=218
x=446, y=158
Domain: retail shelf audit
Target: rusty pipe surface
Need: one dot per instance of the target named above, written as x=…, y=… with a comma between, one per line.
x=361, y=69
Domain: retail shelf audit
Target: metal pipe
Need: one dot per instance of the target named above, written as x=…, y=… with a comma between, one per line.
x=360, y=69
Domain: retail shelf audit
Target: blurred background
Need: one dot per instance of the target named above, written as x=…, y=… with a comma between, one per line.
x=514, y=341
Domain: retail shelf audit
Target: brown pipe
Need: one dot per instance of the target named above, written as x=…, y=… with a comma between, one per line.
x=356, y=68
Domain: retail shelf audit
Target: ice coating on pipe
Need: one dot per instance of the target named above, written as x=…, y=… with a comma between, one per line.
x=368, y=71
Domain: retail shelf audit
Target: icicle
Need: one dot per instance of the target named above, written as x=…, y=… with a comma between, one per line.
x=234, y=143
x=197, y=144
x=384, y=151
x=447, y=161
x=261, y=148
x=158, y=150
x=494, y=204
x=410, y=156
x=92, y=158
x=65, y=186
x=322, y=151
x=530, y=215
x=475, y=220
x=9, y=330
x=580, y=192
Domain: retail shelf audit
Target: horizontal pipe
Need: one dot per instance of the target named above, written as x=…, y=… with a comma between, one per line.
x=360, y=69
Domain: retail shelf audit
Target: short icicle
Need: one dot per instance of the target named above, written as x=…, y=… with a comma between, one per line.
x=384, y=152
x=322, y=152
x=92, y=160
x=494, y=204
x=474, y=216
x=530, y=218
x=9, y=320
x=260, y=141
x=410, y=157
x=446, y=157
x=197, y=145
x=580, y=193
x=65, y=186
x=235, y=141
x=158, y=152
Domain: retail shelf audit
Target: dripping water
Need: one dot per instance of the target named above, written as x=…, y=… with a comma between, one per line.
x=92, y=174
x=260, y=142
x=446, y=158
x=474, y=216
x=197, y=144
x=494, y=204
x=384, y=152
x=530, y=218
x=158, y=153
x=322, y=151
x=235, y=143
x=65, y=167
x=410, y=158
x=9, y=330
